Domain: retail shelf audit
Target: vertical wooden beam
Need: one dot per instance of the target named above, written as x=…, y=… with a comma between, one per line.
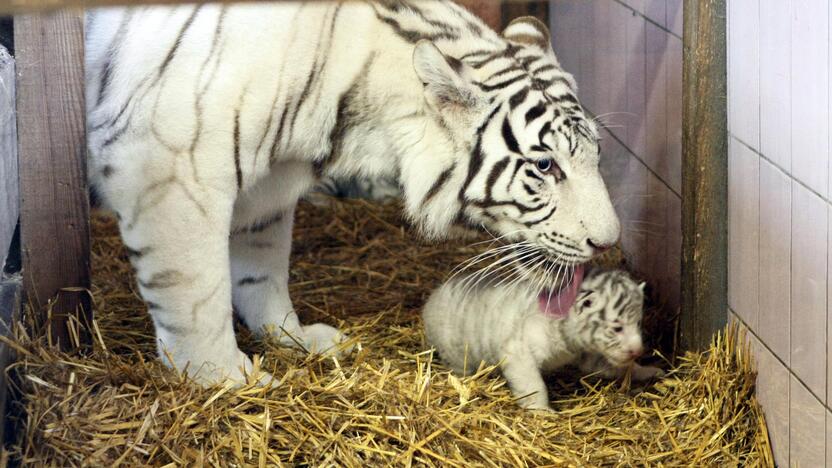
x=704, y=173
x=54, y=208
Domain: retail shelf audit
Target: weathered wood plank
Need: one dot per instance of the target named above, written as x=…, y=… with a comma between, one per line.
x=10, y=199
x=705, y=174
x=54, y=208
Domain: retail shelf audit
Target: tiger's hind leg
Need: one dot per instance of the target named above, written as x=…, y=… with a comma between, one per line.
x=260, y=251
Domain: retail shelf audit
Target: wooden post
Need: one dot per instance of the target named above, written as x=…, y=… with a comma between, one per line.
x=704, y=174
x=54, y=208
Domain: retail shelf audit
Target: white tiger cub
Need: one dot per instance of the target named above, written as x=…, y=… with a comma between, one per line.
x=207, y=122
x=527, y=335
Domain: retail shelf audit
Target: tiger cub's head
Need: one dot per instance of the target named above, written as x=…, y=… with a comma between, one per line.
x=525, y=157
x=609, y=312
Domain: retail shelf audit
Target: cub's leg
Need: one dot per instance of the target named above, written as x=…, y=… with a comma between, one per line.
x=177, y=235
x=525, y=380
x=640, y=372
x=599, y=365
x=260, y=274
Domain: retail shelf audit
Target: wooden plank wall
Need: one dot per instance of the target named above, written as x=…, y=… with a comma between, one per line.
x=10, y=287
x=9, y=200
x=54, y=208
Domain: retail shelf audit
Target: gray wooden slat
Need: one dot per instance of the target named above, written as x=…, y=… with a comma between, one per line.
x=8, y=155
x=54, y=208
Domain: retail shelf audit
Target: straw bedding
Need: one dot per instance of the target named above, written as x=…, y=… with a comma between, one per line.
x=385, y=404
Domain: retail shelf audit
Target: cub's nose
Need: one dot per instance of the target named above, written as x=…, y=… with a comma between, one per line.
x=635, y=352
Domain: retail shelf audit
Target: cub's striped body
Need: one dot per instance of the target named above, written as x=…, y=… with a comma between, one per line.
x=207, y=123
x=507, y=326
x=370, y=188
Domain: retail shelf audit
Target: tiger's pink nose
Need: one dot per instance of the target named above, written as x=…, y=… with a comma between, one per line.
x=598, y=248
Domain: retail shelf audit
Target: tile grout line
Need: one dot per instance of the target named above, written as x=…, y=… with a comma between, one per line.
x=770, y=351
x=826, y=331
x=759, y=171
x=650, y=20
x=759, y=168
x=784, y=171
x=637, y=157
x=791, y=220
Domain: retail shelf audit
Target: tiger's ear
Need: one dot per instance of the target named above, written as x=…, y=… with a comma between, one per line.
x=528, y=30
x=448, y=82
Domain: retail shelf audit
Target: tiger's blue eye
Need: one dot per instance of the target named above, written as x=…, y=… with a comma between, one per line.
x=545, y=165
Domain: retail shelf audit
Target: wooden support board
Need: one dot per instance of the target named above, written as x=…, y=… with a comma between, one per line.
x=704, y=174
x=9, y=203
x=54, y=208
x=10, y=199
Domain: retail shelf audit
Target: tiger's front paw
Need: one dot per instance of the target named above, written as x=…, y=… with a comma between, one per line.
x=536, y=405
x=323, y=339
x=237, y=371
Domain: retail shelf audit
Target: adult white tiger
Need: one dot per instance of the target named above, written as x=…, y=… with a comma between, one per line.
x=206, y=123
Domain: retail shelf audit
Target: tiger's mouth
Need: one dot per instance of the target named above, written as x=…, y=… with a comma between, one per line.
x=557, y=300
x=560, y=282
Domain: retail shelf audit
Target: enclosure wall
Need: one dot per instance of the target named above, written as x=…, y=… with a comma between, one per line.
x=627, y=59
x=779, y=212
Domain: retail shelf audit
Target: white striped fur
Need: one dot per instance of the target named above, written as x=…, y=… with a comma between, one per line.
x=502, y=325
x=214, y=119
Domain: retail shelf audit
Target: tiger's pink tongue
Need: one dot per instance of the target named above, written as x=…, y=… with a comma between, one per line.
x=558, y=305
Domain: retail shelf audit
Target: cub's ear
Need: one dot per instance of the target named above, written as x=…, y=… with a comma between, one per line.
x=528, y=30
x=448, y=81
x=642, y=285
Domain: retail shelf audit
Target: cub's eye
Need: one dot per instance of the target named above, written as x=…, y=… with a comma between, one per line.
x=618, y=328
x=588, y=303
x=545, y=165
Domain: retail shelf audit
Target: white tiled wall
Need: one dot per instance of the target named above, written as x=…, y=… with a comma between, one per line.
x=743, y=231
x=627, y=59
x=780, y=283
